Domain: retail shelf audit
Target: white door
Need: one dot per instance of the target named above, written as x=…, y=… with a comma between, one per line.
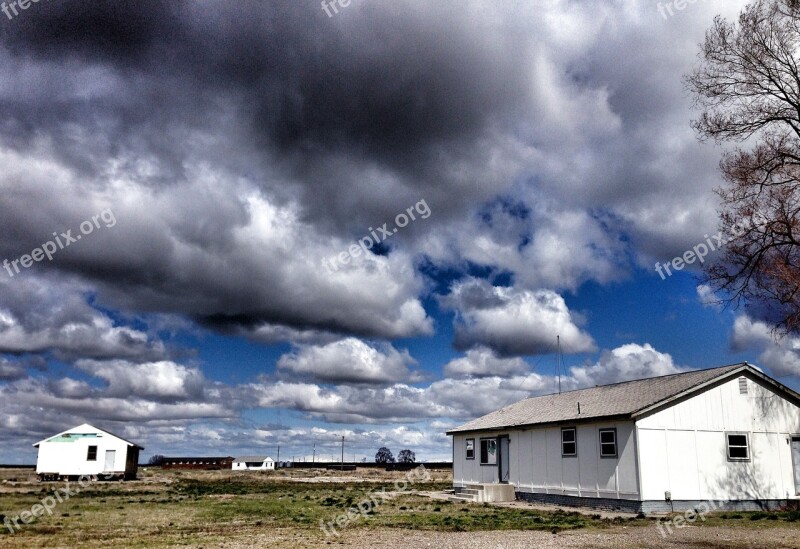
x=110, y=456
x=796, y=462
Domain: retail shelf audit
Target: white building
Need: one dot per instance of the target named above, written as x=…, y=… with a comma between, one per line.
x=730, y=435
x=253, y=463
x=87, y=451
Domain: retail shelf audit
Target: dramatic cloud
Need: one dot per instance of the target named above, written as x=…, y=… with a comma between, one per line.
x=513, y=321
x=289, y=143
x=549, y=161
x=40, y=315
x=349, y=361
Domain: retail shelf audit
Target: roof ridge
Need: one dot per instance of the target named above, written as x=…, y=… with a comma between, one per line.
x=744, y=363
x=612, y=399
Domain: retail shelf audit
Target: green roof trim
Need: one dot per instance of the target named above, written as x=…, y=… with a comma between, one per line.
x=71, y=437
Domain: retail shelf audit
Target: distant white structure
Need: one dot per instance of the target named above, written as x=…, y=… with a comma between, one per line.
x=253, y=463
x=87, y=451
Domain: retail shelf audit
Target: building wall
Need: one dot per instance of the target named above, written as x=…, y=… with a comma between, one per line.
x=268, y=465
x=69, y=458
x=470, y=471
x=683, y=447
x=537, y=466
x=206, y=464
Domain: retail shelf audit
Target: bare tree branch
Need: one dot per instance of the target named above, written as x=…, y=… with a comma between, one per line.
x=747, y=86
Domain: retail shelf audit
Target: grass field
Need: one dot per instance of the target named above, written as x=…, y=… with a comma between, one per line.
x=226, y=509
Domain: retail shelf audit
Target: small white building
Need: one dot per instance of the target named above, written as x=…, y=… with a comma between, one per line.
x=87, y=451
x=728, y=435
x=253, y=463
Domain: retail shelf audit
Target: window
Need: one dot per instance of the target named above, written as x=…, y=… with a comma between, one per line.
x=488, y=451
x=608, y=443
x=738, y=447
x=742, y=385
x=569, y=444
x=91, y=455
x=470, y=448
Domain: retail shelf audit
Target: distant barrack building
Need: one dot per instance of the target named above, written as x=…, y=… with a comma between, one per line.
x=206, y=463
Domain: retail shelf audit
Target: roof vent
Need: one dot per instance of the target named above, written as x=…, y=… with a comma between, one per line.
x=742, y=385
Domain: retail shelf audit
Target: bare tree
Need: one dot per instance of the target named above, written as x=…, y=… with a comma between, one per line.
x=748, y=87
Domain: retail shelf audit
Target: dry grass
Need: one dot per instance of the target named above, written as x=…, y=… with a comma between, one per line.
x=283, y=509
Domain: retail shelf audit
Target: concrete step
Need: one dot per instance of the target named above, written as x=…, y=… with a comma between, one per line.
x=461, y=499
x=488, y=492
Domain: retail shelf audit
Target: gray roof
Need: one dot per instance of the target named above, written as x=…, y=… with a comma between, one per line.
x=252, y=458
x=619, y=399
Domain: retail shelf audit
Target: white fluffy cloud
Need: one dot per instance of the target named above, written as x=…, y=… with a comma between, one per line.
x=164, y=380
x=513, y=321
x=349, y=361
x=780, y=354
x=627, y=362
x=482, y=362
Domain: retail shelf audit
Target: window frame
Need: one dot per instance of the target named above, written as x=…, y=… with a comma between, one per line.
x=574, y=441
x=728, y=446
x=89, y=453
x=612, y=430
x=488, y=440
x=467, y=448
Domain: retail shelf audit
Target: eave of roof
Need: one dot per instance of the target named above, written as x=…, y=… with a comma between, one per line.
x=87, y=425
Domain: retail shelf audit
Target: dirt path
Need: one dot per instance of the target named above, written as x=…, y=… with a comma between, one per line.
x=613, y=538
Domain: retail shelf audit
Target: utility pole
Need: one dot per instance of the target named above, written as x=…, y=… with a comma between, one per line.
x=314, y=455
x=342, y=450
x=279, y=453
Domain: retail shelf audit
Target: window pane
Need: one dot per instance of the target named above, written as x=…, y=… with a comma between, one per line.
x=568, y=448
x=738, y=452
x=568, y=435
x=607, y=436
x=737, y=440
x=608, y=449
x=488, y=451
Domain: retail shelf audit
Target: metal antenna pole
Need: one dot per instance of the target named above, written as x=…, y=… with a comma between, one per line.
x=558, y=361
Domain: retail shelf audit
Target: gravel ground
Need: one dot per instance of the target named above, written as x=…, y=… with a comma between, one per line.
x=613, y=538
x=518, y=504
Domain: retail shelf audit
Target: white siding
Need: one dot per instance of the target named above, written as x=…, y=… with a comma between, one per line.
x=70, y=458
x=470, y=471
x=683, y=447
x=537, y=466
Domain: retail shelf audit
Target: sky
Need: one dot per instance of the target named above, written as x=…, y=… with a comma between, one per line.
x=234, y=227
